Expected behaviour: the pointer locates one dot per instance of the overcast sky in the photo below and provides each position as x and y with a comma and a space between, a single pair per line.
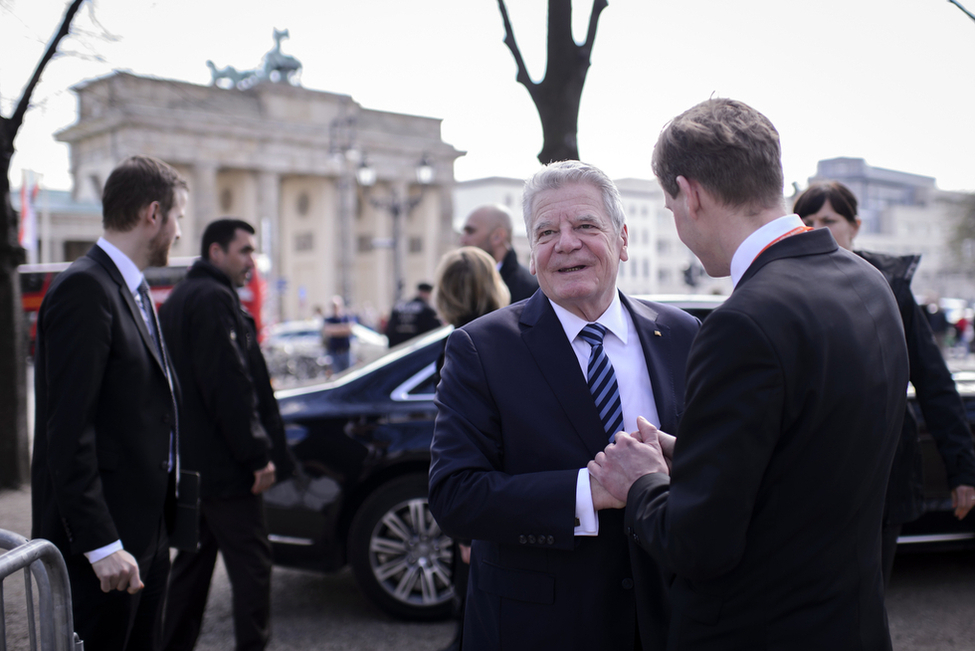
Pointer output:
891, 81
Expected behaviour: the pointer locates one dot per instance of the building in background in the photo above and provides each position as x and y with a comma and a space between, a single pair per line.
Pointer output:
903, 214
287, 159
65, 228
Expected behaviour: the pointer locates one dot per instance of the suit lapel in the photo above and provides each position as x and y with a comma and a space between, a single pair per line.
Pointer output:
655, 341
106, 262
546, 341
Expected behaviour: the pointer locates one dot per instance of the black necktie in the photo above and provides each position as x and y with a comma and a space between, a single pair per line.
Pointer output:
154, 330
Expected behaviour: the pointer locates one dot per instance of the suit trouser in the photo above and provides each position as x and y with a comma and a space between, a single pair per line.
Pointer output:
888, 547
236, 527
117, 621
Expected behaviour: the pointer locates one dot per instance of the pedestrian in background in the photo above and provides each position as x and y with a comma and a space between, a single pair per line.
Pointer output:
489, 228
233, 436
412, 318
337, 336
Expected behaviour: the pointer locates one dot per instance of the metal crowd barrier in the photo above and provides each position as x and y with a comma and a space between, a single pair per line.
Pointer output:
41, 559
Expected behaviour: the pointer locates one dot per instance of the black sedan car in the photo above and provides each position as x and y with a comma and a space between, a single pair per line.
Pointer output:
362, 442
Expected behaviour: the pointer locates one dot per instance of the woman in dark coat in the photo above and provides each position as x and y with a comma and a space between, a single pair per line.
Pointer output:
832, 205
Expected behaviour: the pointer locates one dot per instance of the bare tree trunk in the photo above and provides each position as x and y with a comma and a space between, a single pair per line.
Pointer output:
14, 469
558, 95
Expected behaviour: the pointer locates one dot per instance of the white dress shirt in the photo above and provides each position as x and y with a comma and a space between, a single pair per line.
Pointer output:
622, 345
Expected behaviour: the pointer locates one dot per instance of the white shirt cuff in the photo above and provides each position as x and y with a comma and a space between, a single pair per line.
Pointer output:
102, 552
585, 511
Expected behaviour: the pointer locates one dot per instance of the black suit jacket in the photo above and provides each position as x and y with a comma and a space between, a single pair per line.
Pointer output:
104, 413
229, 420
516, 422
521, 283
796, 389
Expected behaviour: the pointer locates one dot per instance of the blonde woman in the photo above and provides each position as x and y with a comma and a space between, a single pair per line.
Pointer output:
467, 286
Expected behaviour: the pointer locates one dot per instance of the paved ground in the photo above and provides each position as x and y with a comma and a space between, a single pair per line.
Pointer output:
309, 611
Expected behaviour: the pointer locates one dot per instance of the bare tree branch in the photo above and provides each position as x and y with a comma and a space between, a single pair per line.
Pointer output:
13, 125
597, 8
967, 12
509, 39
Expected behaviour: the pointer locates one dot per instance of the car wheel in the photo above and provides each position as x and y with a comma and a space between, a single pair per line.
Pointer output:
401, 559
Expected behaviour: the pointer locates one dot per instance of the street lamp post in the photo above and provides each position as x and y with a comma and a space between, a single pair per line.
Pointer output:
399, 208
342, 136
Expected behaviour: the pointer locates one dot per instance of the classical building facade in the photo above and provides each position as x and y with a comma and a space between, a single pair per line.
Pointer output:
285, 159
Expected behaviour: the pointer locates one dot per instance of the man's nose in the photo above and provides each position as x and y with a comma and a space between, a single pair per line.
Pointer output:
567, 241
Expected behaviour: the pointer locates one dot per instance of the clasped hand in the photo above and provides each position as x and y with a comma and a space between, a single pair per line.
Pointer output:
631, 456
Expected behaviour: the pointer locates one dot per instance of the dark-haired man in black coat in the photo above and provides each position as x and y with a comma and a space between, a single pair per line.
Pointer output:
233, 436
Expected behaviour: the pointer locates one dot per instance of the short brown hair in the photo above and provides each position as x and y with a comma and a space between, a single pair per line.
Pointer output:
134, 184
840, 197
468, 286
728, 147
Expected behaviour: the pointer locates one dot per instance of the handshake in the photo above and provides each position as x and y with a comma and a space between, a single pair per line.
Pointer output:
629, 457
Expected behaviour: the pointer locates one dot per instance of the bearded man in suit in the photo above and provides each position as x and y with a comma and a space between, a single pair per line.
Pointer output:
770, 516
105, 458
525, 401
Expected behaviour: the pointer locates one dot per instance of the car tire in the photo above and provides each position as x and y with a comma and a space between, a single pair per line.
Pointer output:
400, 558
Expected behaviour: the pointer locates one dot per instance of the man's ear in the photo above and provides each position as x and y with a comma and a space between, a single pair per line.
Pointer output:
211, 251
690, 194
498, 238
625, 235
151, 213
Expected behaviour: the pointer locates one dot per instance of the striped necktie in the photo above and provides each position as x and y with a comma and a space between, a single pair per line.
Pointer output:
602, 380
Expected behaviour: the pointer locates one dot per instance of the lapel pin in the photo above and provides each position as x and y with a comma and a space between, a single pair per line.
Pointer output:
656, 333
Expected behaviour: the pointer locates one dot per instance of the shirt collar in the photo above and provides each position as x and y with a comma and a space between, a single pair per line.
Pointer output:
755, 243
130, 273
612, 318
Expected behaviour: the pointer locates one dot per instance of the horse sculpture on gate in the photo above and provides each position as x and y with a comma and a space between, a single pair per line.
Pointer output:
277, 67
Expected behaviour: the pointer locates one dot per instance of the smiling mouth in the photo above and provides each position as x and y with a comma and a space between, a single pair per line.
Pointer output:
568, 269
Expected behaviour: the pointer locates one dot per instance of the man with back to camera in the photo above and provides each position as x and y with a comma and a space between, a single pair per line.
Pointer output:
412, 318
232, 431
489, 228
796, 388
518, 422
105, 444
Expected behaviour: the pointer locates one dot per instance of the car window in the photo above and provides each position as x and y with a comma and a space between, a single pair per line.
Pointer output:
420, 386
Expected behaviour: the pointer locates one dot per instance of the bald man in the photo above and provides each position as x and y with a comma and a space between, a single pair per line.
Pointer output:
489, 228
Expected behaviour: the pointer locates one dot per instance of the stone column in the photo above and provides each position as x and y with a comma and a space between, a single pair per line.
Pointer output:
269, 203
204, 200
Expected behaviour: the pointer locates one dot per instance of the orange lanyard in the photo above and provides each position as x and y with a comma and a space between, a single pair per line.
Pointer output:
794, 231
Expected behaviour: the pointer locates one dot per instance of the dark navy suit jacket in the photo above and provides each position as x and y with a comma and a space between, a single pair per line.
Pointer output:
516, 422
